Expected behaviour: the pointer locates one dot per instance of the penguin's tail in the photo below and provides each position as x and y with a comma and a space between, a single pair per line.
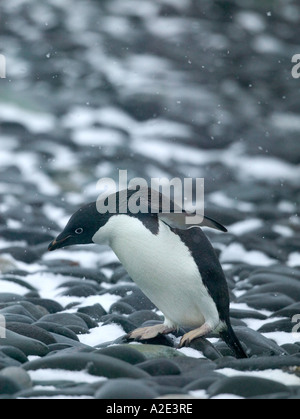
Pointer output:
230, 338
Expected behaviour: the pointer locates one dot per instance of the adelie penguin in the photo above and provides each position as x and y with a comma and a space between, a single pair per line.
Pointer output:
174, 265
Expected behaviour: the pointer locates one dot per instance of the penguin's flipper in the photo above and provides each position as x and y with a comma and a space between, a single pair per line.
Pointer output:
230, 338
186, 221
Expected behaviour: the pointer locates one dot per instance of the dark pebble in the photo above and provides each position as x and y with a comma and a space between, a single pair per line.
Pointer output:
31, 331
257, 344
80, 291
260, 363
140, 317
119, 274
125, 389
124, 352
126, 324
285, 325
291, 349
27, 345
120, 290
78, 272
17, 318
56, 328
96, 312
18, 375
121, 308
95, 364
159, 366
7, 297
289, 311
67, 341
246, 387
31, 236
22, 254
8, 386
271, 301
6, 361
65, 319
14, 353
50, 305
204, 382
139, 301
246, 314
91, 324
290, 288
19, 310
207, 348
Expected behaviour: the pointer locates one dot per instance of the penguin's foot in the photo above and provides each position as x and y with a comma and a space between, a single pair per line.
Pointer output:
150, 332
194, 334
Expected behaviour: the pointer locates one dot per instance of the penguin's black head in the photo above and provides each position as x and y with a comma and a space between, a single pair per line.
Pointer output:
81, 228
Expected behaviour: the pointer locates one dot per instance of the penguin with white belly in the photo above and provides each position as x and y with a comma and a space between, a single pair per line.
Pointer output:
174, 264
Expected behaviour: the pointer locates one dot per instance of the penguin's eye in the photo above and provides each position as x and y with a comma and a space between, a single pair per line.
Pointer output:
79, 230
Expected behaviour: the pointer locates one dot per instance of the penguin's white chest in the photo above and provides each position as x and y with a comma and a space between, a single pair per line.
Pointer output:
162, 266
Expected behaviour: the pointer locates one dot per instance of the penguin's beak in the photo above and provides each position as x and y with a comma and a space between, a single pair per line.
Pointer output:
58, 243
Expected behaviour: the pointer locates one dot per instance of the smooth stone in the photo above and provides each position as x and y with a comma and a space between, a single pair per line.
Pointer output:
140, 317
67, 341
119, 274
291, 349
50, 305
157, 351
78, 272
8, 386
124, 352
80, 291
259, 279
257, 344
246, 386
285, 325
17, 318
289, 311
59, 330
289, 288
203, 383
7, 297
272, 301
27, 345
120, 290
95, 364
18, 375
36, 311
65, 319
121, 308
259, 363
23, 254
138, 301
31, 331
6, 361
125, 389
91, 324
247, 314
14, 353
17, 309
30, 236
126, 324
207, 348
96, 312
159, 366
